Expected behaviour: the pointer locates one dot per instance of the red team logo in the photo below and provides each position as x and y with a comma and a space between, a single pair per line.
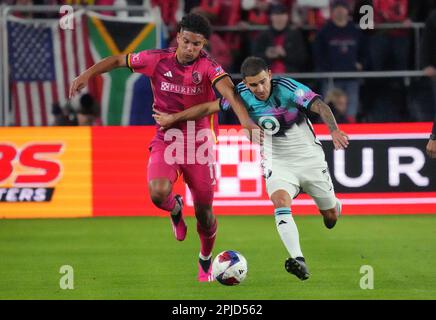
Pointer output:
136, 58
196, 77
28, 171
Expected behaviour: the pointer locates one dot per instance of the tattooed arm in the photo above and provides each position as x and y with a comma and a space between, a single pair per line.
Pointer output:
340, 139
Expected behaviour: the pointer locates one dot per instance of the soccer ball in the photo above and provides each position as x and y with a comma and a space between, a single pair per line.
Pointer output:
229, 268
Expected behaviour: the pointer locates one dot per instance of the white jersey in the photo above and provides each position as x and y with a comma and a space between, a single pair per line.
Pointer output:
293, 158
298, 147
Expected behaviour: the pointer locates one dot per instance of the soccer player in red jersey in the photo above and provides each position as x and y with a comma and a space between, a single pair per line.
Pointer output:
181, 77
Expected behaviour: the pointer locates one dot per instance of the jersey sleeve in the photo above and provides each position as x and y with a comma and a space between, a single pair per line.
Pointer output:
241, 90
143, 62
215, 72
300, 94
224, 104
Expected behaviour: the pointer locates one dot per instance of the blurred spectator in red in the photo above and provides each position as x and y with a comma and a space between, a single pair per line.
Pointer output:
281, 46
91, 3
171, 11
32, 2
23, 14
88, 2
220, 13
256, 12
220, 51
390, 48
217, 48
224, 13
338, 101
310, 13
314, 13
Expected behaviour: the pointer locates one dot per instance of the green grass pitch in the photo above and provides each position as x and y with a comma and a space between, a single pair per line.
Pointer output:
138, 258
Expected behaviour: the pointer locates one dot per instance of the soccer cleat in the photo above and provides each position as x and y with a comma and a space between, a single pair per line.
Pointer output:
205, 276
179, 227
297, 267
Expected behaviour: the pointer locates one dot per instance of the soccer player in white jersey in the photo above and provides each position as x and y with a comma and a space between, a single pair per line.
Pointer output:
293, 158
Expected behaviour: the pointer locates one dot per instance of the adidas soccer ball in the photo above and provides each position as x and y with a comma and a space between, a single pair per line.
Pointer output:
229, 268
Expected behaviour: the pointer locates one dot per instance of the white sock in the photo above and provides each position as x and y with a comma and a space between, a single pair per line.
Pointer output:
288, 231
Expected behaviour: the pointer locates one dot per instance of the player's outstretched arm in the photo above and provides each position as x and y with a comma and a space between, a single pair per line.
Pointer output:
105, 65
340, 138
227, 89
166, 120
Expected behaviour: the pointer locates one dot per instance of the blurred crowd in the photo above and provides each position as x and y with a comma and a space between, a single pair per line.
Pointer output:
319, 36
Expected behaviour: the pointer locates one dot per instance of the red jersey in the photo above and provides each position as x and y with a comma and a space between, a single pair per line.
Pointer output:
278, 65
177, 87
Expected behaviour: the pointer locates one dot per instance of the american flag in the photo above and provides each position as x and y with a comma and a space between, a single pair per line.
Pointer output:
43, 61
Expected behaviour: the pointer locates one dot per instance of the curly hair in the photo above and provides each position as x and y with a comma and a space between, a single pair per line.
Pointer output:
197, 24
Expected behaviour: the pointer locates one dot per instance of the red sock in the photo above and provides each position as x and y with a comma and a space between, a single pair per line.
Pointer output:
207, 238
169, 203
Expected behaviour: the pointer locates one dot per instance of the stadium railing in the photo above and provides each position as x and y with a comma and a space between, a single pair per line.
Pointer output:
406, 74
415, 26
6, 10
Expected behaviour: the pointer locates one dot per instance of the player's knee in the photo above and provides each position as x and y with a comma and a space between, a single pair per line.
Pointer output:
159, 190
281, 199
159, 195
